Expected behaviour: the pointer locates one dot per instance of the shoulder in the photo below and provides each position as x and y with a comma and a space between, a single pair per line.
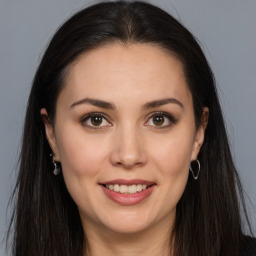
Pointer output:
248, 246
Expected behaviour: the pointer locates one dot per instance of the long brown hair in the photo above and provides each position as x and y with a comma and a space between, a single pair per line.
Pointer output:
46, 219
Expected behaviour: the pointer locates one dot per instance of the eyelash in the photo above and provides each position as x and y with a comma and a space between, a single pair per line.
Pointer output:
87, 117
171, 120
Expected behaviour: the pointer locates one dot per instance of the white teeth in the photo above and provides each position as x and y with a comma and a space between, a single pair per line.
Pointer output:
124, 189
116, 188
132, 189
139, 187
144, 187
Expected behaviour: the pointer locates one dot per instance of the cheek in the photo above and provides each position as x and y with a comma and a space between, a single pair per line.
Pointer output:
172, 154
81, 155
82, 158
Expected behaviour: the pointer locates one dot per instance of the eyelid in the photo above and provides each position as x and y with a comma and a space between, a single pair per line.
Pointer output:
86, 117
167, 115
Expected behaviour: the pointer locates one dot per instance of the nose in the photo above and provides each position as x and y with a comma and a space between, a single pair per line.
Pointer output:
128, 149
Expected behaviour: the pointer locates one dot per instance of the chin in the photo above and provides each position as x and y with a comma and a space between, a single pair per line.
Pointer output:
128, 222
128, 228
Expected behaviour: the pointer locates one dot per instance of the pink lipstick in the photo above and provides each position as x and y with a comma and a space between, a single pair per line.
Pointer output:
128, 192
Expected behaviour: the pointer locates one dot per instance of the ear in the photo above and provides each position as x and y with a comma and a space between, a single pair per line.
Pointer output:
199, 137
50, 135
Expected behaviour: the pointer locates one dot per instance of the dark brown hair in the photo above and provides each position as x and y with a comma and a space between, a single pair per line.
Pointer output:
46, 219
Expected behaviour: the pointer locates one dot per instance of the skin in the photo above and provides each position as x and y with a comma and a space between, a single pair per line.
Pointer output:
128, 144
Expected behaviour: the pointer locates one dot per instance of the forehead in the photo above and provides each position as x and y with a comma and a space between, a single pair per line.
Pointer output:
141, 71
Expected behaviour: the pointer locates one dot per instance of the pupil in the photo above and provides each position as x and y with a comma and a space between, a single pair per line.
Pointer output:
96, 120
158, 120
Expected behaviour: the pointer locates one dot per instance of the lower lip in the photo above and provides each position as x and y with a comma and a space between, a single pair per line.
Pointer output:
128, 199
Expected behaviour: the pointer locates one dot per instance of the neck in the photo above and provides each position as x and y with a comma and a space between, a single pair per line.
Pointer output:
154, 242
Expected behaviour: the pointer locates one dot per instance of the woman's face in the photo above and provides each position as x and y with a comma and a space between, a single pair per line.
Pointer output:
125, 136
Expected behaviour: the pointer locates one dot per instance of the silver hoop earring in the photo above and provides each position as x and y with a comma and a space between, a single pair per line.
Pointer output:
195, 173
56, 169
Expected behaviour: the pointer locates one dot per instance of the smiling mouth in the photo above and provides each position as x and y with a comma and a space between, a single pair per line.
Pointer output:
128, 192
127, 189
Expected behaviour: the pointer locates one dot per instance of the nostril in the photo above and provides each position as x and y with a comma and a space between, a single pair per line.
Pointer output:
128, 156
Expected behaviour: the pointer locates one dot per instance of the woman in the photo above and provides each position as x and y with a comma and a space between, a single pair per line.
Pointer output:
125, 150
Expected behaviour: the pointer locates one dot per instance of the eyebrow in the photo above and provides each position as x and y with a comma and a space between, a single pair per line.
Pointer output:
94, 102
161, 102
108, 105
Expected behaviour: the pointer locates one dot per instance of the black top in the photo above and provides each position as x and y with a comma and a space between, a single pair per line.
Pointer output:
248, 246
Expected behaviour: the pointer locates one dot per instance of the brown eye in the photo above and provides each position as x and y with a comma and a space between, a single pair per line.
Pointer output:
158, 120
96, 120
161, 120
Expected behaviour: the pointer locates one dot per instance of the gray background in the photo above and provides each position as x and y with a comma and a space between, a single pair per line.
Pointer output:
225, 28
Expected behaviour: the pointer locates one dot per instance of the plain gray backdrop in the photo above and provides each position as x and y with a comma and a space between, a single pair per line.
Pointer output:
226, 30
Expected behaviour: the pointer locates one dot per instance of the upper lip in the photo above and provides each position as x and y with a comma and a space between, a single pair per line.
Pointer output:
128, 182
